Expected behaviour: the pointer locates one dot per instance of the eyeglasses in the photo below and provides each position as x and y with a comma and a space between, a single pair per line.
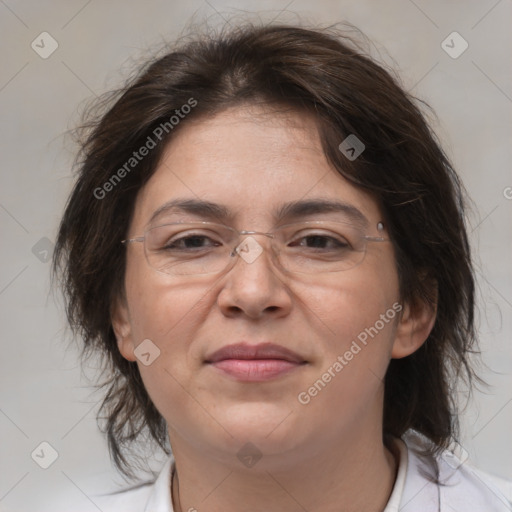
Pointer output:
311, 247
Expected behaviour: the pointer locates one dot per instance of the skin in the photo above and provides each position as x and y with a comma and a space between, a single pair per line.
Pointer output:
320, 456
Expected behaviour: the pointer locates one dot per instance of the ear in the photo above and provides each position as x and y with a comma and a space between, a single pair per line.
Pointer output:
414, 327
121, 323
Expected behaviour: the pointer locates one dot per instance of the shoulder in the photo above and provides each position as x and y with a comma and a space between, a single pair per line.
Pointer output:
449, 482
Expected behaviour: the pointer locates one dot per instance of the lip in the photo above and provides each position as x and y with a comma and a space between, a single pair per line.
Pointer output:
255, 363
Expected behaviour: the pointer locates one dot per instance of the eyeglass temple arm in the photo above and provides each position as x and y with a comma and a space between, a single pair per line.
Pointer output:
136, 239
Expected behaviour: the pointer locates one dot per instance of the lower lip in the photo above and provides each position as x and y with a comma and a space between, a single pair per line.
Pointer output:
255, 370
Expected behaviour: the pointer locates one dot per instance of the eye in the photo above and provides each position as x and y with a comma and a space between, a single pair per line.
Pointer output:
191, 242
323, 242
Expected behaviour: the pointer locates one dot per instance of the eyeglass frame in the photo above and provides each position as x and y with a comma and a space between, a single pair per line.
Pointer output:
270, 234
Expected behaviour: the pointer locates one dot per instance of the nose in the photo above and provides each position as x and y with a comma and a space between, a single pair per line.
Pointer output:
253, 286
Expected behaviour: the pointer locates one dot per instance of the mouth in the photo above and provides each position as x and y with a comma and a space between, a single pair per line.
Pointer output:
255, 363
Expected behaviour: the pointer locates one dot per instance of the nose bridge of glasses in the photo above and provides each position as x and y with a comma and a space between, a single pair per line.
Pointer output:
246, 233
247, 247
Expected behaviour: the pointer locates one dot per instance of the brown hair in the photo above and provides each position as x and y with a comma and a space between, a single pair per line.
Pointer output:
320, 71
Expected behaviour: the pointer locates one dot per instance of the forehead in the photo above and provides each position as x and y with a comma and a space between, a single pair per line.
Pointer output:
252, 160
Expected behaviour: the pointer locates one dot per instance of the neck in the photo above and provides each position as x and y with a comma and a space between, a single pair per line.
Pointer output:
359, 476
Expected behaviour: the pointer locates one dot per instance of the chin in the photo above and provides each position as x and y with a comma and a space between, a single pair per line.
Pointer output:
272, 427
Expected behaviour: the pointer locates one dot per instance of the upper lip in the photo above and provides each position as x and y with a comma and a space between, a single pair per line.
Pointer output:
260, 351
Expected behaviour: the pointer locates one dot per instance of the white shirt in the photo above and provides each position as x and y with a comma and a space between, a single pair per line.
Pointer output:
465, 488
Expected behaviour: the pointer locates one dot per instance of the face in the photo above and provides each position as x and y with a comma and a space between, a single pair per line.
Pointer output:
252, 162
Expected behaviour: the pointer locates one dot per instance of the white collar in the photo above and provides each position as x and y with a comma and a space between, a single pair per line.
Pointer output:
160, 499
464, 488
398, 489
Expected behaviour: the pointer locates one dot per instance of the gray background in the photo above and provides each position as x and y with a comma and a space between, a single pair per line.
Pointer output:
44, 395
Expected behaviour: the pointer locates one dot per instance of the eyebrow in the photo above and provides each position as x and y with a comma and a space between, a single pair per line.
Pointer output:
197, 207
288, 211
307, 207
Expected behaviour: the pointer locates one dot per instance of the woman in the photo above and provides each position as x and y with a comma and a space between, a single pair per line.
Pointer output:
267, 244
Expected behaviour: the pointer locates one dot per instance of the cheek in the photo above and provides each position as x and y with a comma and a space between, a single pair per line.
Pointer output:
345, 304
356, 315
165, 311
375, 285
169, 315
361, 315
155, 304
